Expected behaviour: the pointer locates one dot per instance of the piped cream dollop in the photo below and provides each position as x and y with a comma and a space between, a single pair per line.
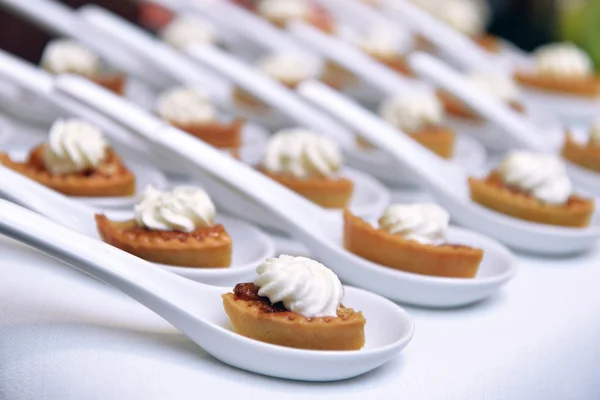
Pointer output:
184, 31
67, 56
500, 86
284, 10
466, 16
183, 209
562, 60
595, 133
543, 176
426, 223
290, 68
412, 112
304, 286
74, 146
383, 41
301, 154
185, 106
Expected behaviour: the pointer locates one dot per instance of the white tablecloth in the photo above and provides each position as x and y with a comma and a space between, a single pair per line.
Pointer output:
64, 336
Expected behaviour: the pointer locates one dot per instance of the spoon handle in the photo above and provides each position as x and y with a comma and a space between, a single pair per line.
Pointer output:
24, 74
351, 58
454, 43
272, 93
293, 210
176, 66
521, 133
53, 16
161, 291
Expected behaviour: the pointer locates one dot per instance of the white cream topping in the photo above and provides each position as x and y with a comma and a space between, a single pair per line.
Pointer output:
466, 16
562, 59
301, 153
184, 31
184, 105
74, 146
184, 209
67, 56
383, 41
426, 223
414, 111
595, 133
542, 176
284, 10
500, 86
304, 286
288, 67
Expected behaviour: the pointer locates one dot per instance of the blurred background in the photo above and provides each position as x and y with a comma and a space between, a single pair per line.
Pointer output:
526, 23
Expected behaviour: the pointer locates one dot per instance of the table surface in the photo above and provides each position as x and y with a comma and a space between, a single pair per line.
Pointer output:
66, 336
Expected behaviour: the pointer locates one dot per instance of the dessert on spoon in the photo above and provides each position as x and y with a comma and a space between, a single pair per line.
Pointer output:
587, 154
76, 161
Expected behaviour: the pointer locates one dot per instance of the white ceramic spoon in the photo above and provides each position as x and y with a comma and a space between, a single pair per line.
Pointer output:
197, 309
449, 185
6, 129
515, 125
57, 18
320, 231
250, 245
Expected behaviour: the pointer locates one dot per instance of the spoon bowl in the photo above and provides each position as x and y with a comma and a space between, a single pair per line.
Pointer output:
197, 310
250, 245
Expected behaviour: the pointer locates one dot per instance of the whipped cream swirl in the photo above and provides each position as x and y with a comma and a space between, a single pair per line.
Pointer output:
183, 209
562, 59
383, 41
302, 154
595, 133
500, 86
284, 10
67, 56
185, 106
304, 286
74, 146
414, 111
466, 16
288, 67
426, 223
542, 176
184, 31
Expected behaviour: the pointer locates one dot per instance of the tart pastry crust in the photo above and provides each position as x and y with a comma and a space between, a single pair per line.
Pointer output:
587, 155
393, 251
254, 317
114, 82
328, 193
489, 42
111, 179
441, 140
588, 86
397, 63
492, 193
457, 108
217, 134
204, 248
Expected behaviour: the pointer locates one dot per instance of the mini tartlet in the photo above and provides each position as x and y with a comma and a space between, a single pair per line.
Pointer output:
191, 111
411, 238
585, 155
535, 188
282, 12
309, 165
76, 161
70, 57
561, 68
421, 115
184, 31
295, 302
388, 45
290, 68
173, 228
499, 86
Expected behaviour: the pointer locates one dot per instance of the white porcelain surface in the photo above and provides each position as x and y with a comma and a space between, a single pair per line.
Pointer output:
6, 129
570, 109
197, 310
468, 154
